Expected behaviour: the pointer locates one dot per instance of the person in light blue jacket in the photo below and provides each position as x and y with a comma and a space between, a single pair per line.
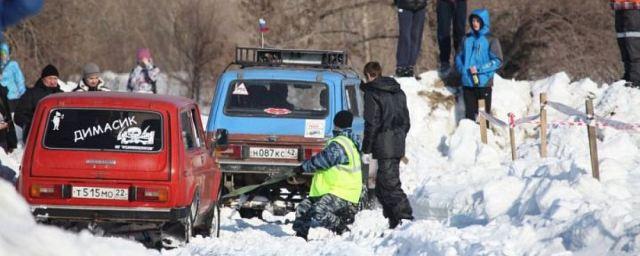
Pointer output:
478, 60
12, 77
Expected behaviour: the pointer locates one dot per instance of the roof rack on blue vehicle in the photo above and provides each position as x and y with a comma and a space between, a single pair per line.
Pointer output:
252, 56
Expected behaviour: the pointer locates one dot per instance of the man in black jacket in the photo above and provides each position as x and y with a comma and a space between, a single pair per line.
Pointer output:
8, 138
386, 126
47, 84
411, 16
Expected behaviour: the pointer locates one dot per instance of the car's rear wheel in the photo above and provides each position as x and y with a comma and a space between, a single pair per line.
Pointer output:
187, 222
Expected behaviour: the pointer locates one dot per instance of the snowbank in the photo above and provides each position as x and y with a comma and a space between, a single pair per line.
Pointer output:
468, 198
20, 235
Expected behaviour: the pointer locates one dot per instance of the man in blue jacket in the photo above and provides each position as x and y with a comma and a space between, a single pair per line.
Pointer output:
11, 76
477, 62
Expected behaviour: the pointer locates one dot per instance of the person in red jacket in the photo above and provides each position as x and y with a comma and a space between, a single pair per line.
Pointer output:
627, 23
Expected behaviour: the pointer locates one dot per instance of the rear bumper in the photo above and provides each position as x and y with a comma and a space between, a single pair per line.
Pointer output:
81, 213
227, 166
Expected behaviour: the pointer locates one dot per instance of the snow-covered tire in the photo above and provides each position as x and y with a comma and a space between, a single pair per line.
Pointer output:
212, 225
187, 225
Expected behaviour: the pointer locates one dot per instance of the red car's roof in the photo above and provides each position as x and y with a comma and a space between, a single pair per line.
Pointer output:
102, 99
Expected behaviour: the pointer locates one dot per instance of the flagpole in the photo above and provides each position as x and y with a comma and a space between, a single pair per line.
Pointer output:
262, 39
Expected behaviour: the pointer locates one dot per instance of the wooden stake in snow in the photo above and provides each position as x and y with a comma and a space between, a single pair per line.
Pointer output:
543, 125
512, 136
482, 121
591, 132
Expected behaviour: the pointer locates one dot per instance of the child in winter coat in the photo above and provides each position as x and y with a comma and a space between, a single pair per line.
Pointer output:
144, 76
477, 62
91, 80
336, 185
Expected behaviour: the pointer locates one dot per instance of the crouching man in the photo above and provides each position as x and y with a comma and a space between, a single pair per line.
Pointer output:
336, 184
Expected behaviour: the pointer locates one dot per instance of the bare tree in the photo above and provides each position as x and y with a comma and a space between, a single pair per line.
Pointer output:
538, 37
198, 39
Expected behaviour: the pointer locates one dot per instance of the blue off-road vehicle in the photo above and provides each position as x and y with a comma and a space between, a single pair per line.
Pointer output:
272, 109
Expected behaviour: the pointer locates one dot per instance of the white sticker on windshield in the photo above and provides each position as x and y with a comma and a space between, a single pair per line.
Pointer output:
57, 117
314, 128
240, 89
135, 135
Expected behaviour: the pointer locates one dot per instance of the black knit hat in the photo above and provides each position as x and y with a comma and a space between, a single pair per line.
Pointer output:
49, 70
343, 119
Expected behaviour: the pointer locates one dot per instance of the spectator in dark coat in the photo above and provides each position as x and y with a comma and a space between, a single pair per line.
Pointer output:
411, 16
8, 139
627, 23
450, 12
47, 84
477, 62
386, 126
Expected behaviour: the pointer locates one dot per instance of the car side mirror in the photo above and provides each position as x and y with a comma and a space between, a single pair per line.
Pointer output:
221, 138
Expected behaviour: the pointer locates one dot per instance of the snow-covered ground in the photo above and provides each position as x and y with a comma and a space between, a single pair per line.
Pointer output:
468, 198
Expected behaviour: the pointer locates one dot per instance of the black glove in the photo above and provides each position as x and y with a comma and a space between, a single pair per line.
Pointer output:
298, 170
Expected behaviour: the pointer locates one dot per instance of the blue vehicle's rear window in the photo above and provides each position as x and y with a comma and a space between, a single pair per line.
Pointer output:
277, 98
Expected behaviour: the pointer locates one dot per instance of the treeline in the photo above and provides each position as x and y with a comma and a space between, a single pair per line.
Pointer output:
197, 36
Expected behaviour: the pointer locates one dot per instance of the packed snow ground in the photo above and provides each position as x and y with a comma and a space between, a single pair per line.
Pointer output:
468, 198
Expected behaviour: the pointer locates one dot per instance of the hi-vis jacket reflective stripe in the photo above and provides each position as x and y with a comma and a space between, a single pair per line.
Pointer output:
625, 4
345, 180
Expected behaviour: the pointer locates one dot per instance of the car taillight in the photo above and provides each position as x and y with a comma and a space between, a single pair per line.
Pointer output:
49, 191
151, 194
231, 151
309, 152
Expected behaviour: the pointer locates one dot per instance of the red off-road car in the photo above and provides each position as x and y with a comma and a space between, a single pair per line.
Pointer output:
123, 162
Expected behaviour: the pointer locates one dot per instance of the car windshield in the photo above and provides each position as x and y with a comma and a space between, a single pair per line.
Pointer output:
103, 129
277, 98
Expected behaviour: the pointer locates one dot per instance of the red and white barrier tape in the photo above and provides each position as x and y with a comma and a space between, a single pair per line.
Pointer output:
492, 119
598, 122
512, 121
625, 127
